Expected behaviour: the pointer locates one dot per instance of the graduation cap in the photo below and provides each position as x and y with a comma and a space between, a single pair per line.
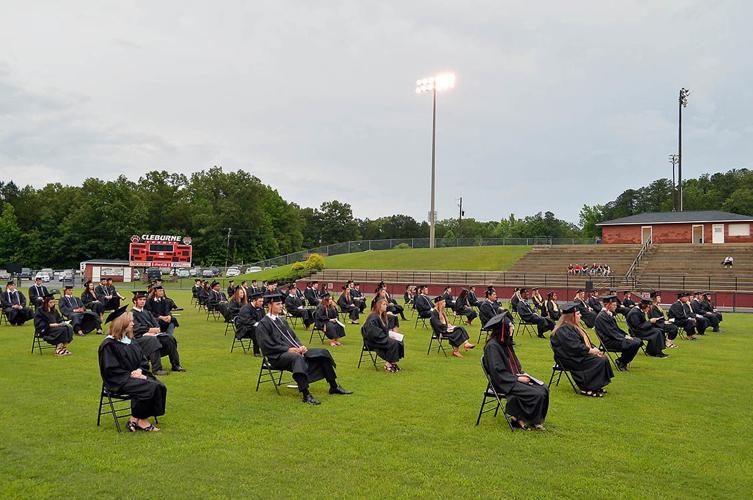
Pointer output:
522, 290
272, 297
497, 321
683, 294
116, 314
646, 302
11, 282
489, 291
255, 295
158, 287
579, 290
326, 296
627, 292
534, 289
214, 283
607, 299
438, 298
569, 308
654, 293
68, 287
138, 294
48, 296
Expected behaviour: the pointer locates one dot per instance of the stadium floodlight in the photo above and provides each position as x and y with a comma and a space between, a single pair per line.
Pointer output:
683, 103
434, 84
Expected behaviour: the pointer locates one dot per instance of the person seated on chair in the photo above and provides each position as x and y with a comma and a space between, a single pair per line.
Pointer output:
449, 300
125, 370
83, 321
284, 351
586, 313
345, 302
422, 302
37, 291
645, 328
357, 296
170, 302
231, 288
50, 327
149, 336
160, 309
376, 336
216, 300
699, 309
514, 299
393, 322
613, 337
392, 306
248, 317
311, 293
255, 288
527, 400
235, 304
681, 314
538, 301
463, 309
204, 293
574, 352
195, 289
91, 302
296, 307
709, 309
528, 316
473, 300
14, 305
593, 301
552, 309
455, 335
489, 307
106, 296
408, 295
326, 320
627, 302
656, 312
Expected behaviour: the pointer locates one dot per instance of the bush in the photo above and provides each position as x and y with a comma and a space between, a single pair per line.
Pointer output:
315, 262
298, 266
402, 245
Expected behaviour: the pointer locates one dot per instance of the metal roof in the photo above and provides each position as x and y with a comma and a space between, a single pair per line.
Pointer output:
678, 218
107, 261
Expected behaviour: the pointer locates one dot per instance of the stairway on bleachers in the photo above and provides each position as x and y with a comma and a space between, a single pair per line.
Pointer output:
555, 259
694, 260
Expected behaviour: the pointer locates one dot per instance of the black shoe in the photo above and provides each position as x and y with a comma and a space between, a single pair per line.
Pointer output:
161, 372
177, 309
541, 336
661, 355
339, 390
100, 332
178, 369
309, 400
257, 355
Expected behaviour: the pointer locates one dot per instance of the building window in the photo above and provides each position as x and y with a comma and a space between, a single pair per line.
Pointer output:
739, 229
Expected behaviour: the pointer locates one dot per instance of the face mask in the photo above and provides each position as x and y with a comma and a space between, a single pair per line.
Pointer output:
125, 340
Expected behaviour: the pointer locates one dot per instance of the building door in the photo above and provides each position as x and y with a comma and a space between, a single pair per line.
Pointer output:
717, 233
646, 233
96, 273
698, 234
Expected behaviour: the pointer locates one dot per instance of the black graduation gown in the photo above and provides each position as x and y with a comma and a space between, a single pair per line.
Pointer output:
487, 310
216, 301
595, 304
462, 308
233, 308
91, 302
473, 299
51, 334
669, 329
311, 297
588, 316
15, 316
116, 362
642, 328
245, 322
276, 337
709, 308
161, 307
570, 350
292, 305
684, 318
553, 310
699, 307
528, 316
322, 317
36, 294
102, 292
614, 339
86, 321
423, 306
154, 346
457, 337
349, 307
527, 402
376, 336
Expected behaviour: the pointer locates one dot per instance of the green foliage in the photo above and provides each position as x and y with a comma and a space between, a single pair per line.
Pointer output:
9, 235
401, 246
298, 266
315, 262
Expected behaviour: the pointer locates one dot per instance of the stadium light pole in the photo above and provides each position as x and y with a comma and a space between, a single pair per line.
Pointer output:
434, 84
673, 159
683, 103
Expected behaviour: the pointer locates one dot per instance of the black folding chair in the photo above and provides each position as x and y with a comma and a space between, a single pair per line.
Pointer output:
269, 374
318, 331
491, 396
118, 405
440, 340
559, 370
608, 352
38, 343
230, 324
422, 319
365, 349
643, 347
485, 332
526, 327
245, 343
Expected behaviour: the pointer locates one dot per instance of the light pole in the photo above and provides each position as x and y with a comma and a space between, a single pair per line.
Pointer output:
434, 84
683, 103
673, 159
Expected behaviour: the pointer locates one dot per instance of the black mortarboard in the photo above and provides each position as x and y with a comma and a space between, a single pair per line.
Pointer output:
116, 313
522, 290
68, 287
627, 292
438, 298
158, 287
646, 302
569, 308
272, 297
214, 283
11, 282
255, 295
326, 296
609, 298
683, 294
579, 290
654, 293
138, 294
534, 289
496, 321
49, 295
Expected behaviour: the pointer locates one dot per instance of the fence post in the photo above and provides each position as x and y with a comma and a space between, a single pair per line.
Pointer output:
349, 247
413, 242
390, 244
734, 298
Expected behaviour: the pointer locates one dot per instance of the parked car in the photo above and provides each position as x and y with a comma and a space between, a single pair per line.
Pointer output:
183, 273
253, 269
232, 272
4, 275
195, 271
66, 275
25, 273
153, 273
207, 273
45, 277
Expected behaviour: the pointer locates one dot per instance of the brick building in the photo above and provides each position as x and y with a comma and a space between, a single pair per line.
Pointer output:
708, 226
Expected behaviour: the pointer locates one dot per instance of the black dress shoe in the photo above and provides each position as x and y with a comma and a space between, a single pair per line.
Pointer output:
661, 355
339, 390
161, 372
309, 400
178, 369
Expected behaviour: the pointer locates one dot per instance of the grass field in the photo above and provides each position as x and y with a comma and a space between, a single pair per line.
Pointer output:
676, 428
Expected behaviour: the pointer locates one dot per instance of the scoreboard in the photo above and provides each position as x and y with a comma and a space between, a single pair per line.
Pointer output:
159, 250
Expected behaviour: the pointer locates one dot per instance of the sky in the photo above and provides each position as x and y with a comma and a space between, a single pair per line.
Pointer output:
556, 104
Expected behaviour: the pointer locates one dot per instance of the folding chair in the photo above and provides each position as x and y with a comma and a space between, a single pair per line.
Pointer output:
230, 324
269, 374
559, 370
643, 347
318, 331
529, 328
113, 401
491, 396
38, 343
422, 319
603, 348
245, 343
440, 339
4, 319
483, 331
365, 349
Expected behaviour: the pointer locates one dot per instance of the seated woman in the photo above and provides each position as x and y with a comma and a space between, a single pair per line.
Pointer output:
50, 327
125, 370
346, 304
325, 318
463, 309
376, 336
393, 322
456, 335
89, 298
551, 309
408, 295
538, 301
237, 301
574, 352
527, 400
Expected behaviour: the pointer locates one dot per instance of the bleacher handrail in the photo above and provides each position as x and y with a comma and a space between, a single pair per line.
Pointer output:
631, 270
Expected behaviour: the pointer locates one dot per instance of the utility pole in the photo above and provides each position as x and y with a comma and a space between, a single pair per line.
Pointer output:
227, 248
683, 103
674, 159
460, 218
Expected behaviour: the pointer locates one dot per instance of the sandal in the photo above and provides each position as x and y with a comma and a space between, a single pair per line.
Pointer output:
591, 394
539, 427
151, 428
131, 426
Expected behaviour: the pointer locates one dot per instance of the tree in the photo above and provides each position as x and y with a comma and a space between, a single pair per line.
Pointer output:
9, 234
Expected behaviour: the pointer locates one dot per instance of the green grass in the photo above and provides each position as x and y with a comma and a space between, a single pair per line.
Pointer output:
669, 428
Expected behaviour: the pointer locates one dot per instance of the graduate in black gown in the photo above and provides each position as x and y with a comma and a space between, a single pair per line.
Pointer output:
235, 304
528, 316
153, 342
574, 352
247, 319
489, 306
83, 321
613, 337
699, 308
645, 328
594, 302
709, 309
91, 302
216, 300
50, 327
161, 309
14, 305
463, 308
657, 312
37, 291
345, 303
538, 301
295, 305
376, 335
285, 351
682, 315
311, 294
326, 319
586, 313
473, 299
455, 335
551, 306
527, 400
422, 303
125, 370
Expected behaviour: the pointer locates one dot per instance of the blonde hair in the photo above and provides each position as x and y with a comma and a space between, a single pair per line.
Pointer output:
569, 318
121, 326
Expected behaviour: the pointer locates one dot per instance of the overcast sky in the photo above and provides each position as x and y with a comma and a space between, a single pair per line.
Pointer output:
557, 104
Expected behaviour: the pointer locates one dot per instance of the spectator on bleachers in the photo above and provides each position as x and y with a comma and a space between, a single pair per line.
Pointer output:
728, 262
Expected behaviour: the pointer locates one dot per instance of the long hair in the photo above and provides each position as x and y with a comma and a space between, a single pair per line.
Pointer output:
375, 309
240, 295
442, 315
121, 326
569, 319
46, 303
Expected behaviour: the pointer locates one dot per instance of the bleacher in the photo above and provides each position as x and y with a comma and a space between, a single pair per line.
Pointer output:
555, 259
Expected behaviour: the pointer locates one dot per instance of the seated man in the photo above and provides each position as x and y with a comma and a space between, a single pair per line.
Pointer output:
196, 288
107, 295
422, 303
449, 300
708, 306
646, 329
586, 313
230, 288
682, 315
515, 299
530, 317
161, 309
248, 318
284, 351
613, 337
170, 302
357, 296
83, 321
154, 343
593, 301
699, 308
14, 305
489, 307
473, 300
37, 291
216, 300
311, 293
668, 327
627, 302
295, 306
